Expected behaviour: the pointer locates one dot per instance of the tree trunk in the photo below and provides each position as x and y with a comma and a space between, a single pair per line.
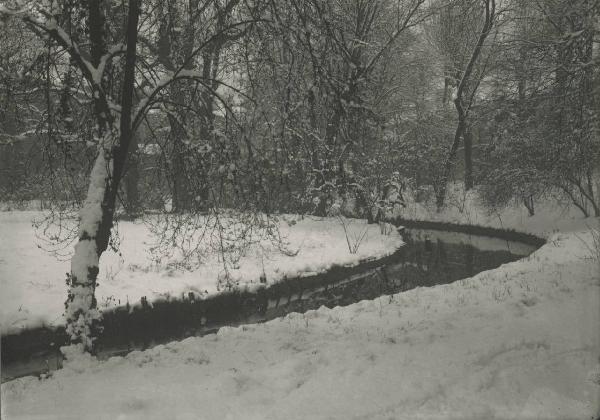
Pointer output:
96, 215
446, 90
468, 144
182, 200
529, 204
327, 172
441, 195
132, 203
94, 232
463, 107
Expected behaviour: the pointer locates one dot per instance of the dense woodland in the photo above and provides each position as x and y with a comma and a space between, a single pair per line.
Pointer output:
297, 106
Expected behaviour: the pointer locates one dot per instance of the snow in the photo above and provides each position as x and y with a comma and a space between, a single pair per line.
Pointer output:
480, 242
464, 208
520, 341
85, 257
33, 282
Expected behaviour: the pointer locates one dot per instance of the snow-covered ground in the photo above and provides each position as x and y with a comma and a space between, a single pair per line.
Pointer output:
464, 208
521, 341
33, 288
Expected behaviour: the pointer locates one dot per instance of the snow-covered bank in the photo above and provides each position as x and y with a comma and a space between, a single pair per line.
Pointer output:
520, 341
33, 282
464, 208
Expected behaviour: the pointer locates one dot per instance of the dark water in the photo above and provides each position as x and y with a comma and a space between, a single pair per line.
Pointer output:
429, 257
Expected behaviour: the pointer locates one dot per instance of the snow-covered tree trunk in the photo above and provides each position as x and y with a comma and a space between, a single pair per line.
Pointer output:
95, 220
96, 215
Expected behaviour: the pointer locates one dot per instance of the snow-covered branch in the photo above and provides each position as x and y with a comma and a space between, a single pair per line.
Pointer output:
115, 50
45, 24
183, 72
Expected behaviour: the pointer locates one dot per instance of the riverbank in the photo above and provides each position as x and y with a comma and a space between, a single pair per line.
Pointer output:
520, 341
33, 281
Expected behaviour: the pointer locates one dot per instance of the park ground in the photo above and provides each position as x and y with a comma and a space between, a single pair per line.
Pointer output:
518, 342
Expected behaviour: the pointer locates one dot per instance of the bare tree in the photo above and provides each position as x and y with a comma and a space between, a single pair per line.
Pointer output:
543, 107
463, 101
117, 117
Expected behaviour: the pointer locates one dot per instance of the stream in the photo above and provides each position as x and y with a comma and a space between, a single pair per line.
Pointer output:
429, 257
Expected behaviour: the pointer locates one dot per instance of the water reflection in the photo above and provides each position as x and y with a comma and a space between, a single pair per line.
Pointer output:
429, 258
